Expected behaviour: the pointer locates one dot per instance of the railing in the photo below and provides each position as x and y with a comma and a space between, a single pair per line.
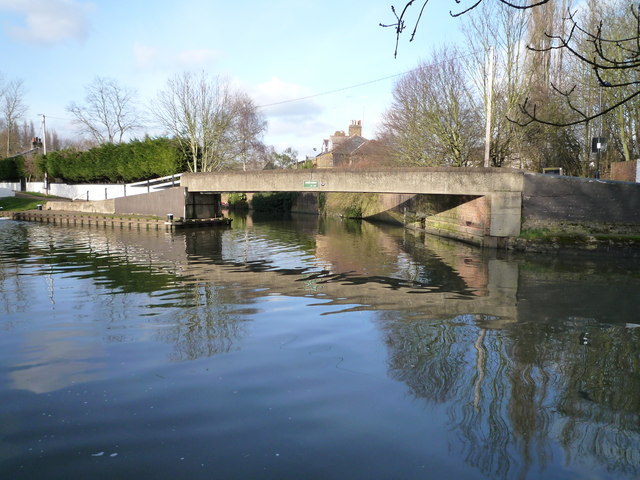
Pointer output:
98, 191
159, 183
94, 192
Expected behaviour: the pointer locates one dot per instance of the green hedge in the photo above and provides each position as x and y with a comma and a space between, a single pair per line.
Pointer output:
125, 162
12, 168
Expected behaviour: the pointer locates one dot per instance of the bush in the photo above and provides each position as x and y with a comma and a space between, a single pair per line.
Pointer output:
274, 202
238, 201
12, 168
354, 211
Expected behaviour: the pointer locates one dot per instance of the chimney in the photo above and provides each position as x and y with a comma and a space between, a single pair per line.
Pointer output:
355, 128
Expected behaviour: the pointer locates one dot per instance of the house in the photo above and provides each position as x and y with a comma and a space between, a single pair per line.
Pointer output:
352, 150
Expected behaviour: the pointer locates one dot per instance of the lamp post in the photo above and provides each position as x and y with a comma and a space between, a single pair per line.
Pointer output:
599, 143
44, 151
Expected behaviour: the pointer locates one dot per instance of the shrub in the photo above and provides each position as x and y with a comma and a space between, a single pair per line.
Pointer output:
12, 168
274, 202
238, 201
354, 211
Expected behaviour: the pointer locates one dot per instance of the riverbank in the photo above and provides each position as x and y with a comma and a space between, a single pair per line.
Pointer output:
548, 242
89, 219
24, 201
139, 222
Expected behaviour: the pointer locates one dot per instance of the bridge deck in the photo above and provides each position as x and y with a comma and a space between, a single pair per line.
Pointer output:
503, 186
447, 181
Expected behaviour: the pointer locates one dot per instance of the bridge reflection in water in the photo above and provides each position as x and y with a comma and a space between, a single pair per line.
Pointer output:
497, 341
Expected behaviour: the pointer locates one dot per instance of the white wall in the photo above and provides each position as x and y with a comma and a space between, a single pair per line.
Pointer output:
90, 191
81, 191
6, 192
10, 185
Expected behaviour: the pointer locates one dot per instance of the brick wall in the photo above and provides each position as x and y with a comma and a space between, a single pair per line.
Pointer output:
593, 204
625, 171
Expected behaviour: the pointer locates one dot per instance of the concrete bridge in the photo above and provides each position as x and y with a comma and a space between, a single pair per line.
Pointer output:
496, 203
500, 189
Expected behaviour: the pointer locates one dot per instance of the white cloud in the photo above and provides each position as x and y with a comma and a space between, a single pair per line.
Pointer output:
47, 22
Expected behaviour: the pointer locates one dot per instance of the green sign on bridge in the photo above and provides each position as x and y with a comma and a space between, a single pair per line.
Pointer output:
311, 184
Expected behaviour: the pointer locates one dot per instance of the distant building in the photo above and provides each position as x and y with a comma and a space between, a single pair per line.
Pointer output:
352, 150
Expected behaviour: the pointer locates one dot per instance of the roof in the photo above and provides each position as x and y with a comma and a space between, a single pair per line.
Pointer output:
349, 145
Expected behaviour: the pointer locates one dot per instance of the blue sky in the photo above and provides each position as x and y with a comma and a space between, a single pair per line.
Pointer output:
275, 51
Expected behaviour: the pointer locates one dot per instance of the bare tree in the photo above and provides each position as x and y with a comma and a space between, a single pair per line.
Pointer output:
434, 119
609, 53
214, 126
109, 112
250, 126
495, 25
13, 109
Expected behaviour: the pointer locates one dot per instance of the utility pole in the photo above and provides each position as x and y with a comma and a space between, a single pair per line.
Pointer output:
487, 140
44, 135
44, 149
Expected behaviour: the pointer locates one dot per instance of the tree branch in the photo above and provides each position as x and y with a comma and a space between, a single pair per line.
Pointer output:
400, 24
533, 117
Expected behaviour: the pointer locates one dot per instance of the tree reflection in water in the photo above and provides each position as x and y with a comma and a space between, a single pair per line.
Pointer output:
208, 325
513, 392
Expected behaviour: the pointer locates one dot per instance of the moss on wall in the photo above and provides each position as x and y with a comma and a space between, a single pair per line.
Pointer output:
352, 205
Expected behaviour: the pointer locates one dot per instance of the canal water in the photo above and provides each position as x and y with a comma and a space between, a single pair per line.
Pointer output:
306, 348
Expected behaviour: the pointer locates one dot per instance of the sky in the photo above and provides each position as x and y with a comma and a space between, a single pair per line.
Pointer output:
275, 51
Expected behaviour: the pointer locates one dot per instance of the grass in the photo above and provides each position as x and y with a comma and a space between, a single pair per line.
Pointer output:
612, 237
19, 204
15, 204
37, 194
564, 238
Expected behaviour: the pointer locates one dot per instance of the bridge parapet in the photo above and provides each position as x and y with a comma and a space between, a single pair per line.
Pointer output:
446, 181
